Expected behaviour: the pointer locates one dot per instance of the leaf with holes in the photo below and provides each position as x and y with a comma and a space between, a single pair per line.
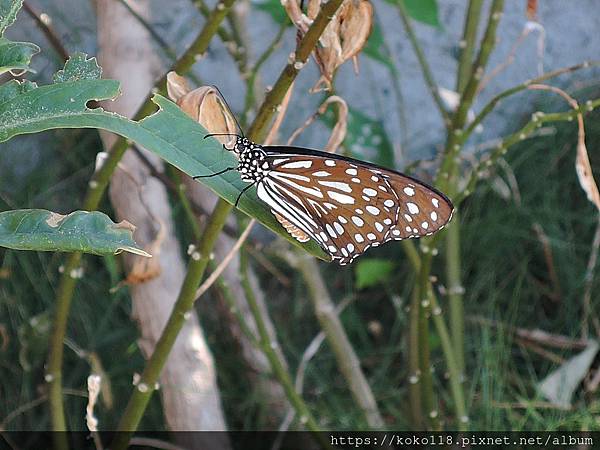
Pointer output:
371, 272
80, 231
170, 133
16, 55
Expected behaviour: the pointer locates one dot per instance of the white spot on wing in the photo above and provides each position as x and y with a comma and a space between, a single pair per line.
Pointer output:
358, 221
358, 238
345, 187
425, 225
409, 191
408, 218
338, 228
370, 192
434, 216
371, 236
373, 210
435, 202
389, 203
330, 162
379, 227
298, 165
321, 173
412, 208
351, 171
342, 198
330, 230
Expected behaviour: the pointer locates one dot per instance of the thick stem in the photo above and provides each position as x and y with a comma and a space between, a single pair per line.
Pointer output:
414, 368
268, 347
141, 395
275, 96
146, 385
97, 187
467, 44
455, 290
346, 358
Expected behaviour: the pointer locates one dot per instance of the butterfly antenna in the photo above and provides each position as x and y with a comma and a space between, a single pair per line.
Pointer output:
229, 109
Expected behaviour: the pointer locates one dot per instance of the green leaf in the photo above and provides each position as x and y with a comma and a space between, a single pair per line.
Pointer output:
8, 13
274, 9
375, 49
372, 271
16, 55
425, 11
80, 231
78, 67
170, 133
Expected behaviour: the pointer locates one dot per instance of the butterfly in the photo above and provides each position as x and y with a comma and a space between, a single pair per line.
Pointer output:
344, 204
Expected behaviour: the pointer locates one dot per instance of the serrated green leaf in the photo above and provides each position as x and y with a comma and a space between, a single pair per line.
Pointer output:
8, 13
170, 133
372, 271
80, 231
16, 55
274, 9
425, 11
78, 67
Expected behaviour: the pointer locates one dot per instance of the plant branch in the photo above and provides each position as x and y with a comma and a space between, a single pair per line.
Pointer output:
427, 74
50, 34
97, 187
467, 44
199, 261
275, 96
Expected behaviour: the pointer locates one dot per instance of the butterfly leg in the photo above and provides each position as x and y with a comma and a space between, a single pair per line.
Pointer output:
241, 193
214, 174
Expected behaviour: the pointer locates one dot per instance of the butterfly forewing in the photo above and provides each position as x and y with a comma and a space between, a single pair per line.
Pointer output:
348, 206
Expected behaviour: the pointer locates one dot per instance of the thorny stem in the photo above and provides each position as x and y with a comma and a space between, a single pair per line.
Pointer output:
185, 301
97, 186
427, 74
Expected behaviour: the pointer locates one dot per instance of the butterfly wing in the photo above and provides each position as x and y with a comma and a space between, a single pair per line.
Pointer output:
346, 205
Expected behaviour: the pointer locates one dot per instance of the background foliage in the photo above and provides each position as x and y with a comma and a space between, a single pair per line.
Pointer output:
526, 238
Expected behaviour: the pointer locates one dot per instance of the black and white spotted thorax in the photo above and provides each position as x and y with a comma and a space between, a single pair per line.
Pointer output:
253, 165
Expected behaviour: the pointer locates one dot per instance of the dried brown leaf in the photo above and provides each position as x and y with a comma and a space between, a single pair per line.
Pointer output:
582, 162
204, 105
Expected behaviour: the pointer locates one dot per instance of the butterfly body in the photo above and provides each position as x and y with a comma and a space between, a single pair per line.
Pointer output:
344, 204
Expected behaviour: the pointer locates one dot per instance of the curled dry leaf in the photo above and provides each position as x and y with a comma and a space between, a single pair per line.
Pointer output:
204, 105
582, 161
338, 134
343, 38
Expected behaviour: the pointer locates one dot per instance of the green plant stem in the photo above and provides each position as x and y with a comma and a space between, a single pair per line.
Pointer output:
97, 187
345, 356
275, 96
455, 290
467, 44
143, 391
424, 356
185, 302
447, 176
456, 387
266, 345
425, 69
537, 121
414, 370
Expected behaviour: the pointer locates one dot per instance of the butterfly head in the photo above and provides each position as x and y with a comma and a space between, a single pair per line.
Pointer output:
243, 144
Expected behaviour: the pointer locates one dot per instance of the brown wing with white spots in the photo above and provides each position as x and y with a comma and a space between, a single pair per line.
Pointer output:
423, 210
345, 207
